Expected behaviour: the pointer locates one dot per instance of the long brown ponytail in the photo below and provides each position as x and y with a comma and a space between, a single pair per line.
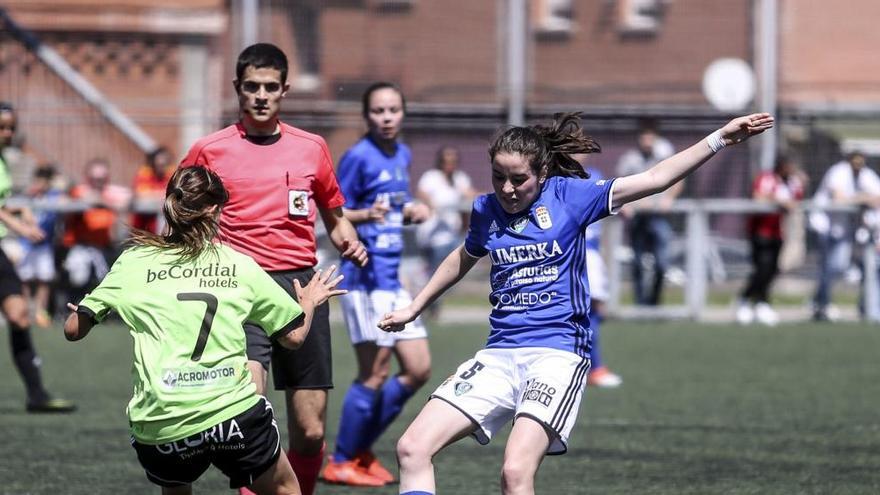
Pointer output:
549, 146
190, 214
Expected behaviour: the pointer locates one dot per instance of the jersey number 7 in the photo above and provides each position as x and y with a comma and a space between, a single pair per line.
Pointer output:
207, 320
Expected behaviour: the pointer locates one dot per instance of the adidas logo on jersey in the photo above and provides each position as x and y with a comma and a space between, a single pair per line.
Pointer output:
384, 176
493, 227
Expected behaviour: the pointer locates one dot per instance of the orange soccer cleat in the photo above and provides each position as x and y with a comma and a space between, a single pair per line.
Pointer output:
602, 377
348, 473
370, 465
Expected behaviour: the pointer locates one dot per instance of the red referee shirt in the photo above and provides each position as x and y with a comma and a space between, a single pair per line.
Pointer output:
275, 191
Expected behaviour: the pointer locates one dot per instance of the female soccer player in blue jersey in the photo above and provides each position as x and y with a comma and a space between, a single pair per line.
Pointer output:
184, 299
374, 177
534, 367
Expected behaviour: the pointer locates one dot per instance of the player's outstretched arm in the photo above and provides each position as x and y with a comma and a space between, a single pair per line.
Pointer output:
671, 170
77, 325
320, 288
450, 271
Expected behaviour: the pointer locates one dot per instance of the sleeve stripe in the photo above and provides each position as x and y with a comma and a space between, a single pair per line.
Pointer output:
290, 327
611, 210
87, 312
472, 255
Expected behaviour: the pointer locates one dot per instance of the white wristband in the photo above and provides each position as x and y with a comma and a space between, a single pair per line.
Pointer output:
715, 142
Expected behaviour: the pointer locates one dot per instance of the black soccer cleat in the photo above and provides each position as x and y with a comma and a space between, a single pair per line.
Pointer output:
51, 406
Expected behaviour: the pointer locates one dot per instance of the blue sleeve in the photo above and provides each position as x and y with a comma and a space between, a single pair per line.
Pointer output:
475, 241
408, 157
349, 177
587, 200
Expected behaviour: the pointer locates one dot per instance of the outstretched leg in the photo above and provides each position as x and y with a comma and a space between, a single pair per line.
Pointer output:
277, 480
437, 425
523, 454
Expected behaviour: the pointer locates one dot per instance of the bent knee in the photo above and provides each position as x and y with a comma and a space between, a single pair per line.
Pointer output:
412, 452
306, 437
373, 378
313, 435
418, 378
516, 474
18, 316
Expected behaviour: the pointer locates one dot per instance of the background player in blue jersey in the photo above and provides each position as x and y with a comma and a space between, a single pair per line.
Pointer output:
374, 178
534, 366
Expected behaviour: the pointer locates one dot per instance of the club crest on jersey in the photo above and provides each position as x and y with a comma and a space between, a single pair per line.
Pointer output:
462, 388
542, 214
519, 224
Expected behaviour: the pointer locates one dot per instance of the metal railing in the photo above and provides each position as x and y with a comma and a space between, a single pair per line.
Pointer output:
697, 213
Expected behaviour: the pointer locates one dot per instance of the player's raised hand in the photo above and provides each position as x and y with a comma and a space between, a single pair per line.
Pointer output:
417, 212
355, 251
320, 288
380, 207
396, 320
742, 128
33, 233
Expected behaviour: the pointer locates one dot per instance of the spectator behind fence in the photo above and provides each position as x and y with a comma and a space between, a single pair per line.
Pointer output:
848, 182
149, 184
13, 305
37, 265
449, 193
649, 229
92, 235
784, 187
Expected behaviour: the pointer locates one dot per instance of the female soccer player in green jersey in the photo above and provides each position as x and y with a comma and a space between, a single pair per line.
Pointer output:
184, 298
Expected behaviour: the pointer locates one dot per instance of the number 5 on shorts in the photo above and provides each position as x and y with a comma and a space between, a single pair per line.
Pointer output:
472, 371
207, 320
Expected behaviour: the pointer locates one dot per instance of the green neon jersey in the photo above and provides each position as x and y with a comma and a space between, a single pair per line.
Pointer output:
5, 189
189, 367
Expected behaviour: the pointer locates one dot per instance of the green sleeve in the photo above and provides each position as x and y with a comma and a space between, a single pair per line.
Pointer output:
107, 295
273, 308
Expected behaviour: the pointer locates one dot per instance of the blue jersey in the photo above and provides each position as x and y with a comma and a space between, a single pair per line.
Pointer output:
594, 230
46, 220
366, 174
540, 295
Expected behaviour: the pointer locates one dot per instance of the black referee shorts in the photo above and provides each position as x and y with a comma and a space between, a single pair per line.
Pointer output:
310, 366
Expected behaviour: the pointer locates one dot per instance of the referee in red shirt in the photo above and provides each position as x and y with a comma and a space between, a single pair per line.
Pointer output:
279, 179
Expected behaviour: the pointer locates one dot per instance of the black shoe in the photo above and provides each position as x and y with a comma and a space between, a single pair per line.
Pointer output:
51, 406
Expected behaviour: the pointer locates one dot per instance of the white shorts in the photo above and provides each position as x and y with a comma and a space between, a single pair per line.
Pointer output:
499, 385
362, 311
38, 264
597, 276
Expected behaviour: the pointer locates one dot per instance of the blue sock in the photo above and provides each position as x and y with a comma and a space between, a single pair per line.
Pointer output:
389, 405
596, 352
355, 421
